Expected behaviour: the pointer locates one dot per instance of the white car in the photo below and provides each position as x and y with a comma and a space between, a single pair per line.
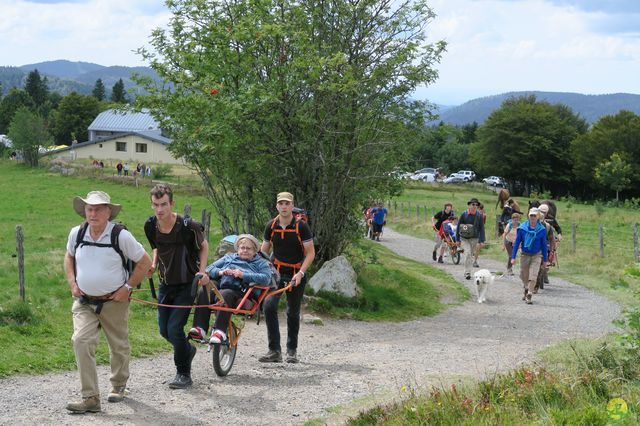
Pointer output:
422, 173
494, 181
454, 178
468, 175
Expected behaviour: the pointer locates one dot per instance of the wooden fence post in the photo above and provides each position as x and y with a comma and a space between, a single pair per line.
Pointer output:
426, 219
601, 237
418, 212
401, 208
20, 251
497, 225
573, 237
187, 210
635, 242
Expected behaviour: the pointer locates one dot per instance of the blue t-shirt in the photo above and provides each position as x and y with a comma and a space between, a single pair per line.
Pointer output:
378, 215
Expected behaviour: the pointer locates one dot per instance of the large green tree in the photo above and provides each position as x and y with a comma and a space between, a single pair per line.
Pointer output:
529, 141
37, 88
307, 96
28, 133
614, 174
73, 116
15, 99
611, 134
118, 93
98, 91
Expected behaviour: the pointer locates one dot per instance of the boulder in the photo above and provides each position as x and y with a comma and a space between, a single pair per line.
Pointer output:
336, 276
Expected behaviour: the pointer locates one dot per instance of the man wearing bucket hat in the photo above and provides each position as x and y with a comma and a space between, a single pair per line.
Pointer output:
532, 236
101, 287
470, 233
293, 253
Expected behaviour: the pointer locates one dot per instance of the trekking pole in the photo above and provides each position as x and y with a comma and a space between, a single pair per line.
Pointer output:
152, 288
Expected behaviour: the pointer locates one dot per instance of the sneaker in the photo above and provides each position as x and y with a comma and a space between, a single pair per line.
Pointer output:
529, 301
467, 276
90, 404
524, 297
181, 381
116, 394
197, 333
475, 264
217, 337
435, 256
292, 357
440, 260
510, 272
271, 356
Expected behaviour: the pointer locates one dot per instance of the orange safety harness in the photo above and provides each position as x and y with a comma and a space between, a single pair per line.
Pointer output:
295, 266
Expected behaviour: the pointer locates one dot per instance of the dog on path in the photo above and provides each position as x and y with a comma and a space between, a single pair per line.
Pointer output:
483, 279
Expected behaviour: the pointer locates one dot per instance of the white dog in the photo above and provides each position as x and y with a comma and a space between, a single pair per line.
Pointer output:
483, 279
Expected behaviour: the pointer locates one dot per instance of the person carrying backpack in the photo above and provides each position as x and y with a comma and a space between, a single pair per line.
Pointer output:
180, 252
293, 253
94, 265
470, 233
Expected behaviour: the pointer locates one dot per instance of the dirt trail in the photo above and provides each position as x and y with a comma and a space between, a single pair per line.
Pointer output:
341, 362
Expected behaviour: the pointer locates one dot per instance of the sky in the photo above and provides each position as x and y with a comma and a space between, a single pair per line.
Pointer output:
494, 46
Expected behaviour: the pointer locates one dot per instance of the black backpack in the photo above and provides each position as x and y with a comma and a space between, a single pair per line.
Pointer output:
188, 235
127, 264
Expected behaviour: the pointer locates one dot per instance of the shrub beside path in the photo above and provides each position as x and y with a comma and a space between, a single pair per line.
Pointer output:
343, 363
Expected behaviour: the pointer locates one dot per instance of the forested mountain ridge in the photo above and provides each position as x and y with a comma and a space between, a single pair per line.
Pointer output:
65, 77
589, 107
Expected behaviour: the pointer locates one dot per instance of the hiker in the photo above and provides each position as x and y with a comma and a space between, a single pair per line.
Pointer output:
436, 222
379, 219
126, 169
532, 237
476, 254
293, 253
101, 286
234, 272
543, 273
470, 233
509, 237
119, 168
180, 252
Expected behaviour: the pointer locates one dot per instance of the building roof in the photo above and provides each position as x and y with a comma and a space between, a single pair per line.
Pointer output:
113, 120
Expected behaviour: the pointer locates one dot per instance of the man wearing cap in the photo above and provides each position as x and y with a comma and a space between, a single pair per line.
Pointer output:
532, 237
543, 274
180, 252
293, 253
470, 232
101, 286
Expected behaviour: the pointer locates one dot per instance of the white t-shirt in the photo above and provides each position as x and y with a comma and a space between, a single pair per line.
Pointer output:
99, 270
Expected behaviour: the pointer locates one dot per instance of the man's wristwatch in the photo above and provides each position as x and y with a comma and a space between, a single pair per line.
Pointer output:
302, 272
128, 287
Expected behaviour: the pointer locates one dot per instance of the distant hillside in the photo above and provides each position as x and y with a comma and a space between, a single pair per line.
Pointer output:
65, 77
590, 107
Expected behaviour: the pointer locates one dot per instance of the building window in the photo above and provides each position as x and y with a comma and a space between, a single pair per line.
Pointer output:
121, 146
141, 147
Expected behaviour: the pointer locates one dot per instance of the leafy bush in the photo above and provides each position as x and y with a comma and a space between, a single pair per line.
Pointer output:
599, 208
161, 171
17, 314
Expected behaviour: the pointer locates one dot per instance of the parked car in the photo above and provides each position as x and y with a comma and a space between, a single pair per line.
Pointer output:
421, 174
429, 177
468, 175
494, 181
454, 178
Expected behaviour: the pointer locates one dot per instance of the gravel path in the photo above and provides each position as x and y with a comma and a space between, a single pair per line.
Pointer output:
342, 363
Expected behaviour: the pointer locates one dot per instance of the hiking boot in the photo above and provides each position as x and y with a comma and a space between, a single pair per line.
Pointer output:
292, 357
524, 297
90, 404
529, 301
197, 333
475, 264
271, 356
217, 337
467, 276
440, 260
435, 256
181, 381
510, 272
116, 394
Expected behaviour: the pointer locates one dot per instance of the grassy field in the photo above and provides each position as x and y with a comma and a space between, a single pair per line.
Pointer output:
36, 335
609, 275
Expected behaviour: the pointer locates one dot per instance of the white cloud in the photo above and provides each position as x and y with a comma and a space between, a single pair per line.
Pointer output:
101, 31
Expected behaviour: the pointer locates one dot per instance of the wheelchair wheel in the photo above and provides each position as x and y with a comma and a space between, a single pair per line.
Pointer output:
455, 256
224, 354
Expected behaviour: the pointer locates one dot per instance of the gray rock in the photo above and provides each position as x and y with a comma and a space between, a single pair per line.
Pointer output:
336, 276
